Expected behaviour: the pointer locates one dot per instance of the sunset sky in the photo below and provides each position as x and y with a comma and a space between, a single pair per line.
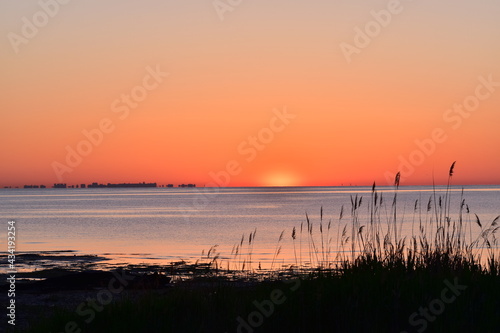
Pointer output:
249, 93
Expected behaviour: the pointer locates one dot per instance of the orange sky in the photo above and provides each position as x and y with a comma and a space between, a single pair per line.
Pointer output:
353, 118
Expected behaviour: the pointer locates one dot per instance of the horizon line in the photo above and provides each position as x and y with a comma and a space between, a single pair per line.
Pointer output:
192, 185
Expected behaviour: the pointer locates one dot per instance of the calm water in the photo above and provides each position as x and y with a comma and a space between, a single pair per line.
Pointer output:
159, 225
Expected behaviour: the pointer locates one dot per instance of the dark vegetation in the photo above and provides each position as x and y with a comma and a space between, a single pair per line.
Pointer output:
374, 279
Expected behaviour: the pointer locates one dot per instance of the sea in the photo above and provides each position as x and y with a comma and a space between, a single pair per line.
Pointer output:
165, 225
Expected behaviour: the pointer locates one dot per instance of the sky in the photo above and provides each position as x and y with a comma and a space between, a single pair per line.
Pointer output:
249, 93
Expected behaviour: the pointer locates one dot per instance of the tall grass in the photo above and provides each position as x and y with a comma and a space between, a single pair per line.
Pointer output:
376, 238
439, 243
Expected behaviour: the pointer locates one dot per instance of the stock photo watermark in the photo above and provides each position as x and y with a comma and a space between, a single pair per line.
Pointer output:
454, 117
371, 29
420, 320
11, 272
30, 26
248, 149
251, 147
95, 136
225, 6
266, 308
87, 310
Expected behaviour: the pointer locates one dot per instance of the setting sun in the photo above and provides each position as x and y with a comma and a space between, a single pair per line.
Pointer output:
281, 178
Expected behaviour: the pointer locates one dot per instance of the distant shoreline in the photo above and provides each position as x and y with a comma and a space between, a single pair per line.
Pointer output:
156, 185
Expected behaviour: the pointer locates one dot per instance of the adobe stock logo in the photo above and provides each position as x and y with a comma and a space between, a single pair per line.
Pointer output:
454, 116
95, 136
372, 29
249, 150
30, 28
223, 6
88, 308
266, 308
420, 320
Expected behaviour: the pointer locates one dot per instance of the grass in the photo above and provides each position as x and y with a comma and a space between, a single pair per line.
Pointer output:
365, 276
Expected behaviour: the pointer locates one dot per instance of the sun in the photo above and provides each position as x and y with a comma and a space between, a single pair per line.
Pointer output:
280, 178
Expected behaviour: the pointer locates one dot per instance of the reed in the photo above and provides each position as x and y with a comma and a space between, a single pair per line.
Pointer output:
436, 240
278, 249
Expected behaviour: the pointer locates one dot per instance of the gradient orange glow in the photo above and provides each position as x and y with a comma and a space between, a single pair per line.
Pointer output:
355, 122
